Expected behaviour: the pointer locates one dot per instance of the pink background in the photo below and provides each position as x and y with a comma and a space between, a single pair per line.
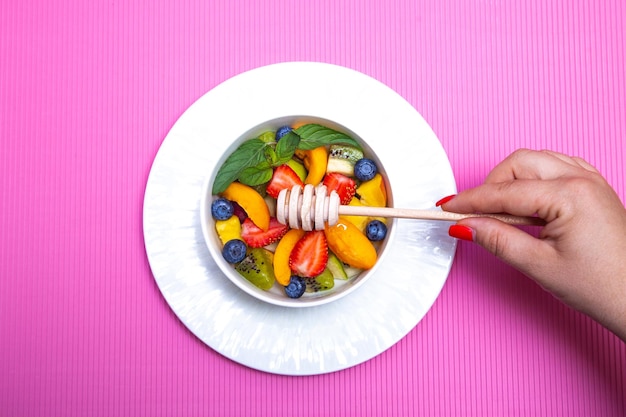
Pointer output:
88, 91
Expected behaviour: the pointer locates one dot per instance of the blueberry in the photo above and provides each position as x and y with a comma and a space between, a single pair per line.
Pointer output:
376, 230
365, 169
222, 209
282, 131
234, 251
296, 287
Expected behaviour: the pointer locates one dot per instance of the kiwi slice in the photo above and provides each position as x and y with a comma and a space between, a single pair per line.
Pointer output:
257, 268
341, 159
335, 266
322, 282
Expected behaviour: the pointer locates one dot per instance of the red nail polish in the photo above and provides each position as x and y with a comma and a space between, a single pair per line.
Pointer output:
445, 200
461, 232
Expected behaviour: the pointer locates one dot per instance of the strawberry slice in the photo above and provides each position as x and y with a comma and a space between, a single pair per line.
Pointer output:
343, 185
283, 177
310, 255
255, 237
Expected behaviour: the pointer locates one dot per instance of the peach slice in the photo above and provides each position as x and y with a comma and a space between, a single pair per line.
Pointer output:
251, 201
315, 161
282, 271
350, 245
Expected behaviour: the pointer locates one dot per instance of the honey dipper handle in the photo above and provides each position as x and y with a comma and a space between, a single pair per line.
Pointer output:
434, 215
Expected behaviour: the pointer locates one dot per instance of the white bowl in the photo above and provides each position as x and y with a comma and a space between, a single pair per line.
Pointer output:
276, 295
269, 337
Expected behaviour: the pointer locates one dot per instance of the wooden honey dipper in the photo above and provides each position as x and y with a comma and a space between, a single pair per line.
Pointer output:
310, 208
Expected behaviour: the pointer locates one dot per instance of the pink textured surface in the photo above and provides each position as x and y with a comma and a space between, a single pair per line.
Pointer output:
88, 90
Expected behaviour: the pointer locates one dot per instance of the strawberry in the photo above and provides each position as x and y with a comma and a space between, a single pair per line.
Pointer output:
283, 177
255, 237
310, 255
343, 185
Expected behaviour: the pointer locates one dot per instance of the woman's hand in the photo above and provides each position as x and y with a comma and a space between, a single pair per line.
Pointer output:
580, 255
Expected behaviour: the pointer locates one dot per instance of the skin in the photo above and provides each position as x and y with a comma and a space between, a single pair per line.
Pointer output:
580, 254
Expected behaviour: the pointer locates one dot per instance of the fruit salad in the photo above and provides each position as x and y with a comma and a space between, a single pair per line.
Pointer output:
268, 253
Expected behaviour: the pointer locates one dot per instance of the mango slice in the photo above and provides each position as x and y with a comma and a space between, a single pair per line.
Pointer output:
359, 221
228, 229
373, 192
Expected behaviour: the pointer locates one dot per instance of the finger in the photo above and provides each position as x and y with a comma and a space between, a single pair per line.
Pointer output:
524, 252
586, 165
565, 158
574, 161
520, 197
530, 164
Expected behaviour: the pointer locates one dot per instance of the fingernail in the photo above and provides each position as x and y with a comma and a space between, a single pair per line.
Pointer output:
445, 200
461, 232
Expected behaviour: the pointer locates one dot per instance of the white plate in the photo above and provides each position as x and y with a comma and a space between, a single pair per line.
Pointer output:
324, 338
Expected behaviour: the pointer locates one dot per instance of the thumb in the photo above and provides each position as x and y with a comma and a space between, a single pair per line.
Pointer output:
514, 246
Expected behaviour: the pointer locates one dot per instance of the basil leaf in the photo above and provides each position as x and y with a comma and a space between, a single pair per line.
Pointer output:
314, 135
256, 175
248, 154
285, 148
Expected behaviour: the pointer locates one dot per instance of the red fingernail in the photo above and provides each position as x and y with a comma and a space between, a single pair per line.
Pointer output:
445, 200
461, 232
